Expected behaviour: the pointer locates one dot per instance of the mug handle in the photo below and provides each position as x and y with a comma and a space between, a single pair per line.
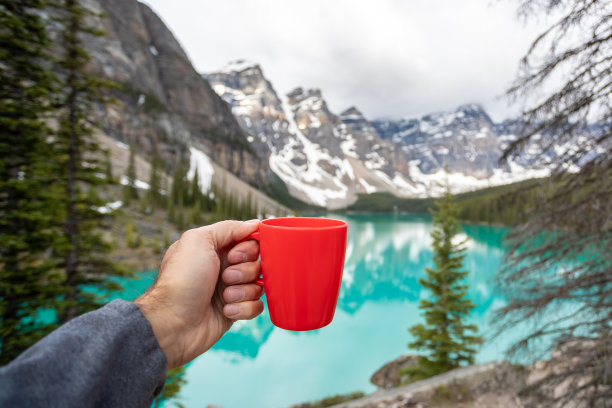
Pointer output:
255, 236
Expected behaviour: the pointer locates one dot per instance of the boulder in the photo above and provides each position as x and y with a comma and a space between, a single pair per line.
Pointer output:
388, 376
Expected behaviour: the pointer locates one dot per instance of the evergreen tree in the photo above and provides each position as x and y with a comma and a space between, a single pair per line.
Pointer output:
445, 335
26, 201
196, 214
170, 213
155, 176
83, 252
166, 239
108, 167
559, 258
196, 192
179, 181
130, 191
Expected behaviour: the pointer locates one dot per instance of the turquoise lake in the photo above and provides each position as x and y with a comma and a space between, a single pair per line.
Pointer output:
259, 365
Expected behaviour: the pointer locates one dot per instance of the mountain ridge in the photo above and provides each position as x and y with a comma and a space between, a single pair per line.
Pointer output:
328, 159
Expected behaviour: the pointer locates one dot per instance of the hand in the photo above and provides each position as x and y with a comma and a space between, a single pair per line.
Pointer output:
188, 305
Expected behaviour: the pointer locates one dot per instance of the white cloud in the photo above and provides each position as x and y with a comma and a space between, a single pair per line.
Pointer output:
391, 58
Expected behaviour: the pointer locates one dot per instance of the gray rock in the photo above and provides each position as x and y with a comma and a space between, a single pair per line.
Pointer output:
163, 102
388, 376
484, 385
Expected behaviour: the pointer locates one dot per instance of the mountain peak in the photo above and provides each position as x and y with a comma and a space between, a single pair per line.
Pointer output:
299, 94
352, 110
239, 65
470, 108
352, 114
473, 110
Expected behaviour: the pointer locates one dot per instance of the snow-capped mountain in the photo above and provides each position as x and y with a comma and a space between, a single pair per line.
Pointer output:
324, 158
467, 142
327, 159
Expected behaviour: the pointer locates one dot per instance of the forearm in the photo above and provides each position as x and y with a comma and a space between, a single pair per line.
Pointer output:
109, 357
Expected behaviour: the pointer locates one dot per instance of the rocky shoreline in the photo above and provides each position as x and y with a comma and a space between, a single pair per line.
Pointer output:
494, 384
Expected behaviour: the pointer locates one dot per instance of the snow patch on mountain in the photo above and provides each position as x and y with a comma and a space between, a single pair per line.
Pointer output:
199, 161
143, 185
434, 184
308, 176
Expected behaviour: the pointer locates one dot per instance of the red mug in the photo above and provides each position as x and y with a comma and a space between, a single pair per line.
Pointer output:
301, 263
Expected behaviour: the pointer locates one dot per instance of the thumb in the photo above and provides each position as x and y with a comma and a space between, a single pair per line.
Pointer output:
229, 232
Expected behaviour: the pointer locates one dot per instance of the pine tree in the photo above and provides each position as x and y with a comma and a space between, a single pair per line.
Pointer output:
559, 258
166, 239
179, 184
155, 176
196, 192
445, 335
170, 213
26, 199
83, 252
108, 167
130, 191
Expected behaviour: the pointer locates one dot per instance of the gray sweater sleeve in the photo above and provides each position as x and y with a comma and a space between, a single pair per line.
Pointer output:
106, 358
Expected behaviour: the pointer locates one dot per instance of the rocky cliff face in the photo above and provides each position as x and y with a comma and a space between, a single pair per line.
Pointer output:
162, 101
462, 140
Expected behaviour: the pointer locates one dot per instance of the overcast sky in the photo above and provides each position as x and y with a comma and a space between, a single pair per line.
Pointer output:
390, 58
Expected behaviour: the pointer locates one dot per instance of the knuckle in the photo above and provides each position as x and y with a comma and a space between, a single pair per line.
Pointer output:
187, 235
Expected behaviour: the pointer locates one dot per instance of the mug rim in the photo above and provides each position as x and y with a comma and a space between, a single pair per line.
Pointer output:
269, 222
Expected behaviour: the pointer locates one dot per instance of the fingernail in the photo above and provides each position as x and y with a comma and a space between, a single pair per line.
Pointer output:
233, 276
252, 221
232, 310
234, 294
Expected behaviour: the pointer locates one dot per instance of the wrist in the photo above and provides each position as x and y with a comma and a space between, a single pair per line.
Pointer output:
167, 337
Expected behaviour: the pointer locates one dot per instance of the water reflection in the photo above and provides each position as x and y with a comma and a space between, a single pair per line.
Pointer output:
246, 337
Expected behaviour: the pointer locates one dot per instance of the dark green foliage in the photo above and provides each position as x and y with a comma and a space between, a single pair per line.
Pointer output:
108, 167
154, 196
187, 206
157, 248
133, 238
494, 205
558, 268
445, 336
26, 87
81, 248
387, 202
175, 379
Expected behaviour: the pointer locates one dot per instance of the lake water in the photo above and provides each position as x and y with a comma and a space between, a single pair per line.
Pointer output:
259, 365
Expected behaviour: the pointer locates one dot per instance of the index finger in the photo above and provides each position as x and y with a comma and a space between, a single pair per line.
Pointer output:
228, 232
244, 252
